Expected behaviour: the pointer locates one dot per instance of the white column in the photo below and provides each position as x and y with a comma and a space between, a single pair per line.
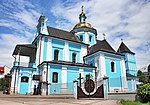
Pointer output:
123, 73
12, 81
49, 50
30, 80
16, 84
37, 53
42, 50
64, 77
102, 65
44, 86
83, 52
66, 52
44, 73
19, 81
86, 36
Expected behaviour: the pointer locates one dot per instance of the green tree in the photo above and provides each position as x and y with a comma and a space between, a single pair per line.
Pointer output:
144, 92
141, 76
3, 83
148, 70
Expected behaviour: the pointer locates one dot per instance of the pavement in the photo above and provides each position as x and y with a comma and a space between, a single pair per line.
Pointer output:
47, 100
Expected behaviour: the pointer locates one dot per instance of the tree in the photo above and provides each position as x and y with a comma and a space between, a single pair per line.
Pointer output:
141, 76
148, 70
144, 92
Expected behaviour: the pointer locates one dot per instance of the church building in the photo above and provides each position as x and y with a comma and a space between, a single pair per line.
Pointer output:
56, 58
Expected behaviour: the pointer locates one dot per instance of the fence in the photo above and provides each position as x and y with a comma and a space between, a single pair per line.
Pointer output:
61, 88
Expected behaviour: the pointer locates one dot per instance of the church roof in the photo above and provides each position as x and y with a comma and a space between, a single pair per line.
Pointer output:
58, 33
123, 48
25, 50
102, 46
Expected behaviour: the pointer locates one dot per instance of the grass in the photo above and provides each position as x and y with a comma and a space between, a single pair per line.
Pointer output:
123, 102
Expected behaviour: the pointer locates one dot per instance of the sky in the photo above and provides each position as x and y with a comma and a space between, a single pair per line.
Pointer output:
118, 19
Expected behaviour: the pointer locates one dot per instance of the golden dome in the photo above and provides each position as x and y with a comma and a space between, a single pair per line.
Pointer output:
83, 25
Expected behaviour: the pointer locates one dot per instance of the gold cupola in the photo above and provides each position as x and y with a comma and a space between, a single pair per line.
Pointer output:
83, 23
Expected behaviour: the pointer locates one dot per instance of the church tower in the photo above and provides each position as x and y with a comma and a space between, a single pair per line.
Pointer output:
84, 31
130, 60
42, 27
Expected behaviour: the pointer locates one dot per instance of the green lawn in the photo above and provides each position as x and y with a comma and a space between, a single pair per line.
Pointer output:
123, 102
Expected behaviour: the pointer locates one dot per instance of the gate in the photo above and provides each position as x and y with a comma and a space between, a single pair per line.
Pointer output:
90, 89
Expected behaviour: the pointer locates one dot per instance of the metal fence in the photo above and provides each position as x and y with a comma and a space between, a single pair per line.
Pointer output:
61, 88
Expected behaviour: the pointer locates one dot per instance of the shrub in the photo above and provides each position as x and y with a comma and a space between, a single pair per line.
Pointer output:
144, 92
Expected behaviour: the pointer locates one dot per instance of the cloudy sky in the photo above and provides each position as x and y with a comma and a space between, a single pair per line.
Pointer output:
126, 19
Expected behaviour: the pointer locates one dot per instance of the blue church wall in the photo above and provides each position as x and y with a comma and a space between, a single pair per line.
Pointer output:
55, 87
129, 84
58, 43
72, 74
114, 77
77, 55
74, 48
45, 48
60, 55
130, 63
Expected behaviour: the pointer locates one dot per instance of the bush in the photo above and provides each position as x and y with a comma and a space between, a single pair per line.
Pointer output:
144, 92
127, 102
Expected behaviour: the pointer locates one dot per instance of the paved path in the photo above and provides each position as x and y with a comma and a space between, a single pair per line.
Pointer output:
27, 101
50, 100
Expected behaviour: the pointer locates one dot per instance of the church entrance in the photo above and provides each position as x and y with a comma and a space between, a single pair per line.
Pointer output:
24, 85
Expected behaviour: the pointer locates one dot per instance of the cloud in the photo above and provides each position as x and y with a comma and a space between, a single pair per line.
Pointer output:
20, 17
118, 19
127, 19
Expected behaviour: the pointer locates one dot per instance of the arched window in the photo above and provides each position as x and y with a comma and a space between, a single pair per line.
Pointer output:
90, 38
112, 67
56, 53
81, 37
55, 77
74, 57
24, 79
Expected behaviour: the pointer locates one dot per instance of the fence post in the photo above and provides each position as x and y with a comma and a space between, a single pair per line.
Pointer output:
105, 80
75, 89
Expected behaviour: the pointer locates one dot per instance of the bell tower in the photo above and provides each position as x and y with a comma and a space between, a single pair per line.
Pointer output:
42, 27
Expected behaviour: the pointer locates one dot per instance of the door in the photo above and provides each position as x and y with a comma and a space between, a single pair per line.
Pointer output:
24, 85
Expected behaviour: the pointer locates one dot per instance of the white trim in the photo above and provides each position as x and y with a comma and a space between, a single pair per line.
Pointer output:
42, 50
83, 53
102, 65
64, 74
123, 74
66, 52
49, 50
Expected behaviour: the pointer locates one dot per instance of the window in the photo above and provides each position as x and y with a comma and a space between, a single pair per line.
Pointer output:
112, 67
74, 57
81, 38
55, 77
56, 53
90, 38
24, 79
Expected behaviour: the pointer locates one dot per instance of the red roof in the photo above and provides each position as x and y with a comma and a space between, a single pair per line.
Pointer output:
1, 69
